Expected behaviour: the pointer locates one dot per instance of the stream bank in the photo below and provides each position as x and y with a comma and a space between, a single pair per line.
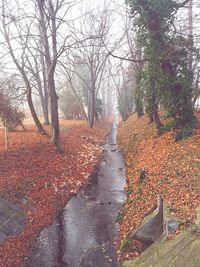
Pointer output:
156, 166
84, 233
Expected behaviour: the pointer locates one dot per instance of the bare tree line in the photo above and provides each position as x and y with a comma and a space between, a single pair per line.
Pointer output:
45, 44
36, 42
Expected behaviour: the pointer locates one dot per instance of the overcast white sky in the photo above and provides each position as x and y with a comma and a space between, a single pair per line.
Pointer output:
117, 5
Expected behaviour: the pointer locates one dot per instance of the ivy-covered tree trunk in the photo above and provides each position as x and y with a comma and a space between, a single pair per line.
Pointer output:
153, 106
139, 107
168, 76
182, 104
155, 114
139, 94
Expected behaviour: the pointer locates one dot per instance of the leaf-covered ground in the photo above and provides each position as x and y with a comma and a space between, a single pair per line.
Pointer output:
41, 181
173, 171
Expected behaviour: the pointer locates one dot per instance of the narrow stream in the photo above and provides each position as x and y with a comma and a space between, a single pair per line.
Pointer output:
83, 235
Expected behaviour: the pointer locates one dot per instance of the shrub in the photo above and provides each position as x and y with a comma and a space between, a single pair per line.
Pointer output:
184, 133
10, 116
168, 127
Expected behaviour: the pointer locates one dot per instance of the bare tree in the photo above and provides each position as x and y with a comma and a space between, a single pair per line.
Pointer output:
123, 80
135, 67
8, 20
48, 12
92, 54
50, 20
126, 76
37, 67
190, 33
70, 75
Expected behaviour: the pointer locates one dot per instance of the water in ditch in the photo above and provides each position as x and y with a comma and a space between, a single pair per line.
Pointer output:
83, 235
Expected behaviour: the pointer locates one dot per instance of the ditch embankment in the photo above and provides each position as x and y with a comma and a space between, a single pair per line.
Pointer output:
157, 166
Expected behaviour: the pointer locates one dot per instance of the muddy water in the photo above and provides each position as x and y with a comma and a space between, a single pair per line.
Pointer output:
84, 233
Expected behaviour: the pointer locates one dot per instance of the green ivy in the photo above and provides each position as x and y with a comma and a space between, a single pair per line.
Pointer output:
184, 133
171, 125
168, 82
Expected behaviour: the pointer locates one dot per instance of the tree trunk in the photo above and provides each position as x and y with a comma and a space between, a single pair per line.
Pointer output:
46, 93
196, 93
151, 120
46, 112
139, 105
25, 78
190, 33
33, 112
44, 106
80, 102
104, 100
6, 135
156, 117
50, 65
44, 98
41, 85
96, 116
55, 139
139, 93
91, 108
154, 108
125, 104
139, 100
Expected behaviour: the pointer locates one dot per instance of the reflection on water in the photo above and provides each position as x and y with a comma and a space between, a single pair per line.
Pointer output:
83, 235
